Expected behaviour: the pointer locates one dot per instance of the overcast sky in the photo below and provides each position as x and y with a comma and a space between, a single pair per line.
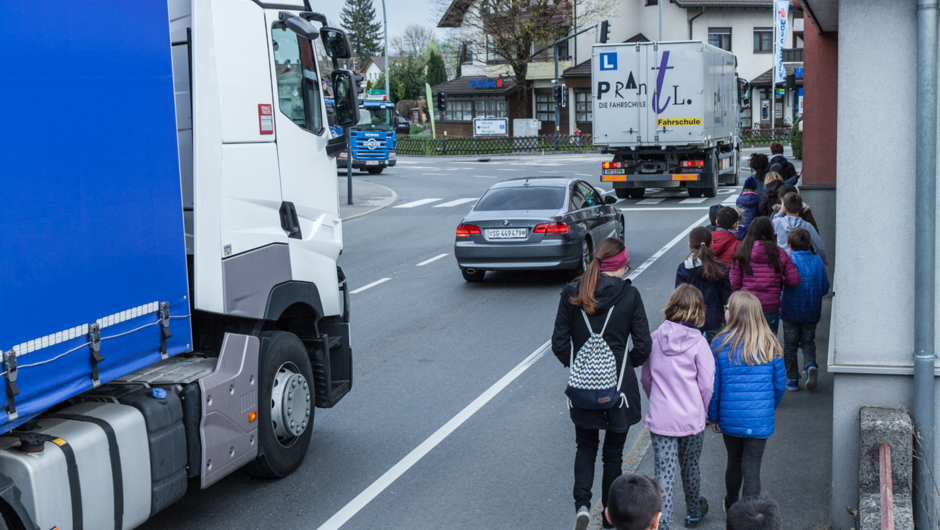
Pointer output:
400, 13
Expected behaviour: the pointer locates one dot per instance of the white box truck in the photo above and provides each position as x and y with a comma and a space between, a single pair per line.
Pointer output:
668, 113
171, 306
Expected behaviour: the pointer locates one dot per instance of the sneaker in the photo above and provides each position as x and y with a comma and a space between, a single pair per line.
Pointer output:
584, 518
692, 522
811, 374
793, 385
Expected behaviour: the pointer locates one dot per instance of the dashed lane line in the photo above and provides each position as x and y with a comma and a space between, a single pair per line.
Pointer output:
373, 284
435, 258
651, 201
360, 501
454, 203
665, 209
421, 202
693, 200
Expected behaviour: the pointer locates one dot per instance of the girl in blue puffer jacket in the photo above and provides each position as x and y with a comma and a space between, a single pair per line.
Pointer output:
749, 383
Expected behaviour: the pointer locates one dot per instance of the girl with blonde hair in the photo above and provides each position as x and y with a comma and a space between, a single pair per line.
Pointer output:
771, 196
749, 382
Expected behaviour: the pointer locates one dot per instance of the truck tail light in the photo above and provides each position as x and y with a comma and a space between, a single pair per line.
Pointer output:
550, 229
692, 163
467, 230
612, 165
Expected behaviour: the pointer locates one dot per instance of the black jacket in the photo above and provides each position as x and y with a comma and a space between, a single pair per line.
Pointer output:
769, 198
788, 172
628, 318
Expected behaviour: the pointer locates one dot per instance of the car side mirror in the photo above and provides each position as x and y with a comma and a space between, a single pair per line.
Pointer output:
610, 200
336, 43
345, 98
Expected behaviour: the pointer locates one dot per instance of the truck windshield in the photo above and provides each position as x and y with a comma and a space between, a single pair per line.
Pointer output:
375, 119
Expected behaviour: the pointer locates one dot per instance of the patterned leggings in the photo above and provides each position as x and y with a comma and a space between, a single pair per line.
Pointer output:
671, 453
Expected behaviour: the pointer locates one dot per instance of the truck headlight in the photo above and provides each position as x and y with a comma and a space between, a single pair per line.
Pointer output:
343, 154
391, 154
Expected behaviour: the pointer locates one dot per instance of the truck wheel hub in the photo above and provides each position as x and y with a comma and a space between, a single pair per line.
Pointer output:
290, 404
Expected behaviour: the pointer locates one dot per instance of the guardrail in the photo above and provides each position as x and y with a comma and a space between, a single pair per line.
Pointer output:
423, 146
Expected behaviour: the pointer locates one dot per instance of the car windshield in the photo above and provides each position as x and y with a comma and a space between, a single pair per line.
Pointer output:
522, 198
375, 119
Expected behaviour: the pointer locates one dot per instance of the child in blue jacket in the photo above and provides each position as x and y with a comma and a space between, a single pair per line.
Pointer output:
749, 383
801, 307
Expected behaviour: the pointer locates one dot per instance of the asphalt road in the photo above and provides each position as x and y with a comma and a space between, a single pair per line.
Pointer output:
457, 417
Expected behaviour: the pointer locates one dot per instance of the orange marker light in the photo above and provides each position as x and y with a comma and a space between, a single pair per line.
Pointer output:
252, 416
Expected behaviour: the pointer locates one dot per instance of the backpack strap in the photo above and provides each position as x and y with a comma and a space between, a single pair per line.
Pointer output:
588, 323
606, 320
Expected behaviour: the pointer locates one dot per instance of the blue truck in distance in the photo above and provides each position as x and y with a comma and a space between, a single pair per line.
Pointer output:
373, 138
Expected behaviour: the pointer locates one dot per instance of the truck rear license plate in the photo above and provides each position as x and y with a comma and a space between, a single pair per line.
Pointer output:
507, 233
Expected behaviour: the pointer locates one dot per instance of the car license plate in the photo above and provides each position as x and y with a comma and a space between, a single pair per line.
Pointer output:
372, 162
506, 233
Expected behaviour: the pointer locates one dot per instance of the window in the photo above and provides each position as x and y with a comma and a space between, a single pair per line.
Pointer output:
763, 40
466, 54
591, 197
563, 51
298, 87
583, 105
496, 109
459, 110
544, 107
521, 198
720, 37
745, 122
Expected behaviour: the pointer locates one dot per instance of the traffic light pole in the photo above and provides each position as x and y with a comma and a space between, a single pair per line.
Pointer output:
349, 193
554, 90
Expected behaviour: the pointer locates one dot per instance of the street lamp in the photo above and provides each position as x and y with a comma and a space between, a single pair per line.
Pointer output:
388, 68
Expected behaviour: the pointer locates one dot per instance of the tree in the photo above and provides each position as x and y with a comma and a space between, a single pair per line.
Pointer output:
518, 32
437, 74
365, 32
406, 81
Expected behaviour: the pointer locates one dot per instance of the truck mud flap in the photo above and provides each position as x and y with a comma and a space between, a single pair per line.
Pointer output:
331, 357
229, 425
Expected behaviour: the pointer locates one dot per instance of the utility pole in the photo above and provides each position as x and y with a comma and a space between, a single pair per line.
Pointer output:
659, 3
388, 72
556, 86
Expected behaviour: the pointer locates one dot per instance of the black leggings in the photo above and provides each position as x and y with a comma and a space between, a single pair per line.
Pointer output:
585, 458
744, 458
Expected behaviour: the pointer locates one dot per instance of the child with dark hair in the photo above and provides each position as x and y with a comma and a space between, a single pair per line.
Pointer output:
678, 379
760, 164
801, 308
748, 202
755, 513
702, 270
762, 268
725, 238
788, 218
635, 502
713, 217
805, 213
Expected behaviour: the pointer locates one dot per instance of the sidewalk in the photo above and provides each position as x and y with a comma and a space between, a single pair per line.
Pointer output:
368, 197
797, 467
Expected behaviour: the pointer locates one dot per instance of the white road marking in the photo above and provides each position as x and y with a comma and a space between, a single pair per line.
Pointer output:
693, 200
373, 284
723, 191
732, 199
651, 201
665, 209
435, 258
584, 174
390, 476
360, 501
607, 192
421, 167
504, 169
421, 202
453, 203
659, 253
480, 176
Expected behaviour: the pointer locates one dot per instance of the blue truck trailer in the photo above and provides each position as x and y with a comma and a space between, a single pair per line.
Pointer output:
171, 308
373, 137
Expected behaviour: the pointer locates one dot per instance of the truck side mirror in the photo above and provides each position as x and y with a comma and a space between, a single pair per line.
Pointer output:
298, 25
345, 98
744, 93
336, 43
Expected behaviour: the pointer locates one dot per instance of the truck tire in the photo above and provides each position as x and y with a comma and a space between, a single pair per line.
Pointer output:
713, 189
622, 193
375, 170
637, 193
695, 192
285, 378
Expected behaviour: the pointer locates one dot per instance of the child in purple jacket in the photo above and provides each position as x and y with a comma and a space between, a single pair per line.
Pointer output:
678, 379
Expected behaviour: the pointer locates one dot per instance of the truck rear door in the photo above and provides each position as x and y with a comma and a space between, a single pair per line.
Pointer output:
676, 83
620, 94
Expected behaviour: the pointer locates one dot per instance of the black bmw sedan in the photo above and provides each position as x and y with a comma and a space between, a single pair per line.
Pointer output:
535, 223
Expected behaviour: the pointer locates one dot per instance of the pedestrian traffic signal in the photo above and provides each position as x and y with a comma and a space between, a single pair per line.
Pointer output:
564, 96
605, 32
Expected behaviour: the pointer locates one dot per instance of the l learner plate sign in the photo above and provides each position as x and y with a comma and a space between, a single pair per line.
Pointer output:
506, 233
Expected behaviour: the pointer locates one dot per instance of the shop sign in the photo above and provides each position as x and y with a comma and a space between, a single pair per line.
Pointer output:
490, 82
490, 126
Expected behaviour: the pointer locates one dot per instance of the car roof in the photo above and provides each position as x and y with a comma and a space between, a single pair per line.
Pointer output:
552, 182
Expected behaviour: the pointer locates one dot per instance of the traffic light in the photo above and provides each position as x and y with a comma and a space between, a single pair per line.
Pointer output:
791, 82
556, 94
564, 96
441, 103
605, 32
357, 79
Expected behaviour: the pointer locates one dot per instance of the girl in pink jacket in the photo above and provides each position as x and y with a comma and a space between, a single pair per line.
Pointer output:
678, 379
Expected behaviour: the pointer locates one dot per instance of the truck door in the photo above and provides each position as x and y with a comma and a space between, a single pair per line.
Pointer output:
308, 176
677, 100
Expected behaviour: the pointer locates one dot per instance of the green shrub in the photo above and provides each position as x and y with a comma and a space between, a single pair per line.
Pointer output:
796, 139
415, 129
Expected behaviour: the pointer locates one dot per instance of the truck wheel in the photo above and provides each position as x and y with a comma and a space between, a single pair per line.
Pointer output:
622, 193
285, 410
637, 193
375, 170
695, 192
713, 190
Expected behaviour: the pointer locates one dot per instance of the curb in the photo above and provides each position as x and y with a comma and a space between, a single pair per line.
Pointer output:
385, 204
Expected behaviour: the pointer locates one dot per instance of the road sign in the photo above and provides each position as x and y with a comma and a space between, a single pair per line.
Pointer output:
490, 126
376, 92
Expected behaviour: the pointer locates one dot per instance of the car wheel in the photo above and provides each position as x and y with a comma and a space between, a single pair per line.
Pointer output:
622, 193
375, 170
622, 231
637, 193
695, 192
472, 275
285, 406
586, 257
